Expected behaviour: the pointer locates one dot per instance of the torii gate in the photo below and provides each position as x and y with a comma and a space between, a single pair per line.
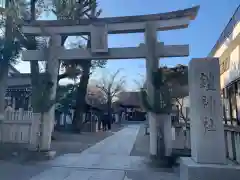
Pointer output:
99, 29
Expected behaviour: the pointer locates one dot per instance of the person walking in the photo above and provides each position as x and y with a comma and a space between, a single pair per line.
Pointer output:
104, 123
109, 121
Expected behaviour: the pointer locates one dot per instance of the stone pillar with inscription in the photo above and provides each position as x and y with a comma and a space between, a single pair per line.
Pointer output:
207, 134
208, 153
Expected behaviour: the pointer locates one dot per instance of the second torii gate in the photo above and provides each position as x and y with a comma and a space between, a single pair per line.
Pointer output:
99, 29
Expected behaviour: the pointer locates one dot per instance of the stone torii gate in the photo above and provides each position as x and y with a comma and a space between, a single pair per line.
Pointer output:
99, 29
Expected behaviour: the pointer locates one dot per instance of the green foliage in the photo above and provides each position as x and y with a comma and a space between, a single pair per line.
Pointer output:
18, 9
145, 101
66, 97
98, 64
161, 79
157, 79
176, 75
9, 51
160, 104
77, 65
79, 10
44, 101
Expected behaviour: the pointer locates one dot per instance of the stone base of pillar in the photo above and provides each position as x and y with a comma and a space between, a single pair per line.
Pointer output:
167, 134
190, 170
41, 155
161, 162
1, 117
152, 119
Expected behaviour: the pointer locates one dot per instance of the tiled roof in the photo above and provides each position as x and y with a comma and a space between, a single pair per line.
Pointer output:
19, 80
129, 99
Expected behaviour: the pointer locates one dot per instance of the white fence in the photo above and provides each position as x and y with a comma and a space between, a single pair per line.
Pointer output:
181, 140
232, 140
20, 127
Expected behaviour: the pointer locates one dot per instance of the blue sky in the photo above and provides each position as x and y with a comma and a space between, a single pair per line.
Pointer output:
201, 34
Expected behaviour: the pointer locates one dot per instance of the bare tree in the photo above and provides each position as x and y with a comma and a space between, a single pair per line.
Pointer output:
111, 85
183, 116
141, 83
180, 102
95, 96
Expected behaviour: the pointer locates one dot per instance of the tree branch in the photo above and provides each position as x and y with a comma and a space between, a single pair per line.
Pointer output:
102, 88
118, 87
181, 109
113, 77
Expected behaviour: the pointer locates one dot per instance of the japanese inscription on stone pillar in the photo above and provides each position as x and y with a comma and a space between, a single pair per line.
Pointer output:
207, 131
208, 101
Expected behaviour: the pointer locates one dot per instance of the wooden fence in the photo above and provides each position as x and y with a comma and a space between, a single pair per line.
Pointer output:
20, 127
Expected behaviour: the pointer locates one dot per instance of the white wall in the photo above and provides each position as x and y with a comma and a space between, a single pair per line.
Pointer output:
230, 48
234, 67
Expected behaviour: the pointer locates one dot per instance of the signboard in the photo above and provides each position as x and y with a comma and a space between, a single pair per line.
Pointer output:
99, 38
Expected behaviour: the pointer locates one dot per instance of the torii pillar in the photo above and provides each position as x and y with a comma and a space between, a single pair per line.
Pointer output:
152, 63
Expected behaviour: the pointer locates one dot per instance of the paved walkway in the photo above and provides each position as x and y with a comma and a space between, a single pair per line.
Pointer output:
107, 160
13, 171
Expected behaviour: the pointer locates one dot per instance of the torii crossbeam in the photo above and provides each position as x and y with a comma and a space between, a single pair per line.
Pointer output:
99, 30
115, 25
113, 53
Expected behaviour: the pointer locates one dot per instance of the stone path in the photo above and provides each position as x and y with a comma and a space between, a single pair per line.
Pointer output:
107, 160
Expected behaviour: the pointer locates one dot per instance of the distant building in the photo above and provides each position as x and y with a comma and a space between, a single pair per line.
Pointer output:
129, 106
18, 92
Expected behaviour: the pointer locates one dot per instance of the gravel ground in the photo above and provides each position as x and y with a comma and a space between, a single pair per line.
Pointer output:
64, 143
75, 143
17, 162
13, 171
